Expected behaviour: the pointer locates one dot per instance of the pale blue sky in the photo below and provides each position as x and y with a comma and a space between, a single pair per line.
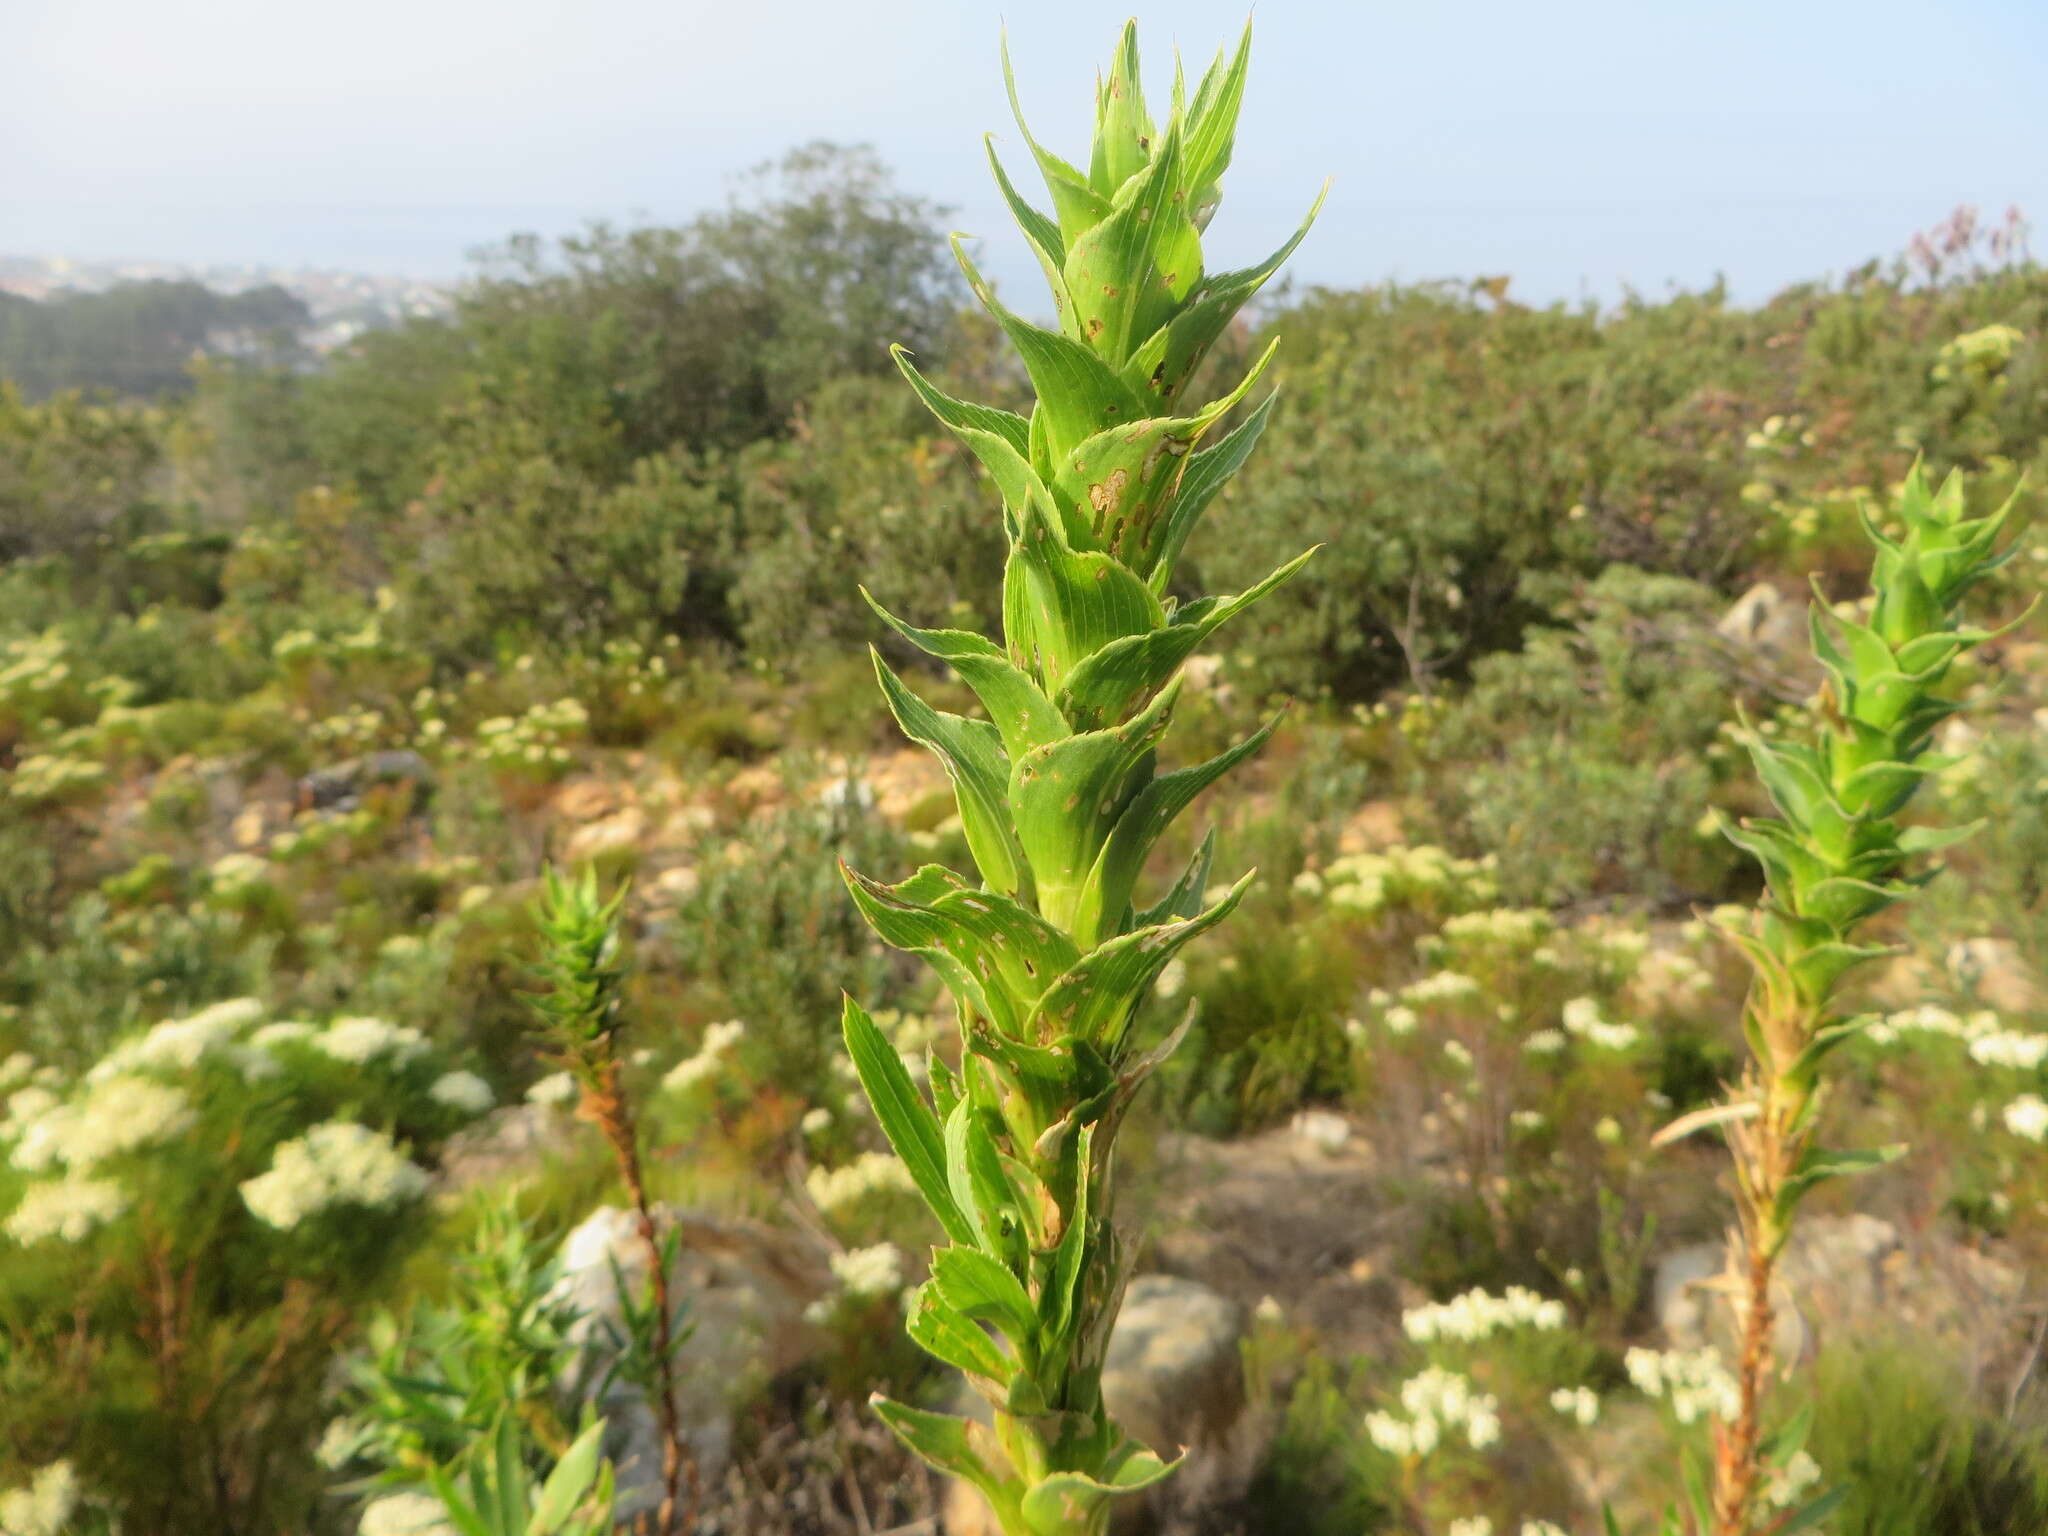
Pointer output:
1577, 145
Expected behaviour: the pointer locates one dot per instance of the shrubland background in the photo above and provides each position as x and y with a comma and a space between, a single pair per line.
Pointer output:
306, 670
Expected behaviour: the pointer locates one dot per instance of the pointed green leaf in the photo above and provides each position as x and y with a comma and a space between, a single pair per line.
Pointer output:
1058, 1304
1212, 129
1165, 360
955, 1124
568, 1483
1123, 128
971, 752
1064, 799
1094, 1000
1110, 682
906, 1120
945, 1440
1000, 440
1185, 899
1130, 273
1078, 393
1124, 481
941, 1331
1206, 473
1040, 233
1078, 204
1016, 705
1074, 601
981, 1288
1108, 891
993, 952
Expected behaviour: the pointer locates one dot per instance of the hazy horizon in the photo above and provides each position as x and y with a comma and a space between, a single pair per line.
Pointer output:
1580, 150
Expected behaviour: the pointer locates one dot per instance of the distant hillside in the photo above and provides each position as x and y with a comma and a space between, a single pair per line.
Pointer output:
139, 338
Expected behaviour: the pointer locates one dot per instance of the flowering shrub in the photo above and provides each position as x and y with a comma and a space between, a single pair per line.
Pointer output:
237, 1186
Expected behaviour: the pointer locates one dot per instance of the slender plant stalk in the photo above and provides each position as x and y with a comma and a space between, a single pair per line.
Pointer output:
582, 1012
1049, 952
1833, 858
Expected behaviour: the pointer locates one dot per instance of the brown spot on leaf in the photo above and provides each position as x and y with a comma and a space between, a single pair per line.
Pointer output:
1105, 496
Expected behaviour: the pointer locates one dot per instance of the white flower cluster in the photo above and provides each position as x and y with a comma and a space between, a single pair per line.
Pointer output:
1439, 1404
1398, 1019
1669, 978
16, 1070
1369, 882
65, 1208
362, 1041
1544, 1042
835, 1189
1788, 1483
1695, 1381
1580, 1404
1541, 1528
1470, 1525
1440, 987
2027, 1116
1582, 1019
538, 739
336, 1163
557, 1090
290, 1032
2012, 1048
114, 1116
179, 1045
339, 1445
463, 1092
1932, 1019
44, 1507
693, 1071
1477, 1315
1508, 927
874, 1271
24, 1107
1173, 979
406, 1514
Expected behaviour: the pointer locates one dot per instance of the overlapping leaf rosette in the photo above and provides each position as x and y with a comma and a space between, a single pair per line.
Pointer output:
1049, 951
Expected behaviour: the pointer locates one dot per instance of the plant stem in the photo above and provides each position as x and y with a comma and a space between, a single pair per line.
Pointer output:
1735, 1460
613, 1113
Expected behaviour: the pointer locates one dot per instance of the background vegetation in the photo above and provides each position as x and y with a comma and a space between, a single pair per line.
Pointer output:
305, 671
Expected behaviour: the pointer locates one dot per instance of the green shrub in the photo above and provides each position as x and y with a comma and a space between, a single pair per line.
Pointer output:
1897, 1425
1585, 763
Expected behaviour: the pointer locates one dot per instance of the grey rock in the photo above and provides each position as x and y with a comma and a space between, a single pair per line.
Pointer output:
744, 1287
1766, 620
1848, 1275
341, 787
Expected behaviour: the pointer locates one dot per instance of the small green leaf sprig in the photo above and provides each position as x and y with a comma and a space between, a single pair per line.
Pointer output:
1048, 954
1834, 858
581, 1009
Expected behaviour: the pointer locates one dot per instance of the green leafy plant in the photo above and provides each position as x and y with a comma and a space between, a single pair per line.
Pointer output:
1835, 858
582, 1016
1061, 800
497, 1497
434, 1381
